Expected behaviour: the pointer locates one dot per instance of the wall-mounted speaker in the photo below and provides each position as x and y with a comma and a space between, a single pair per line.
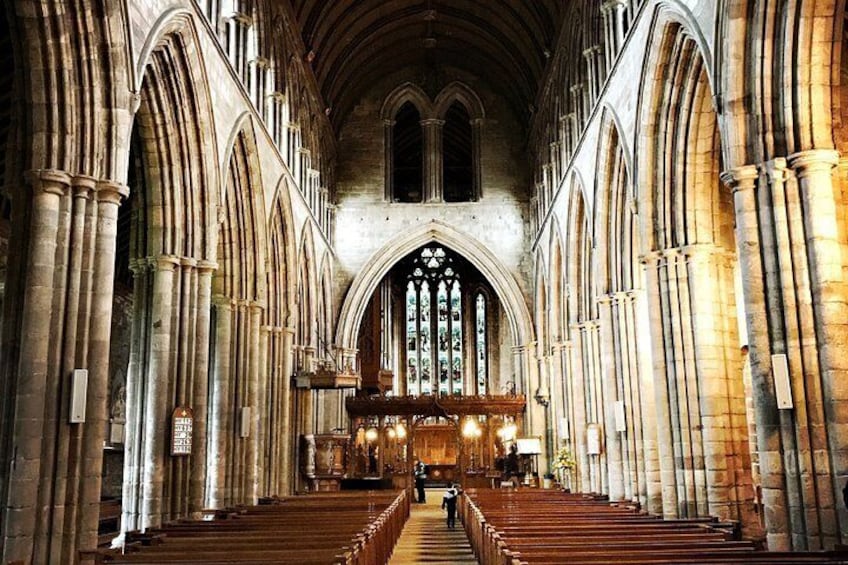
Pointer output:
618, 413
79, 390
593, 439
782, 385
564, 431
244, 424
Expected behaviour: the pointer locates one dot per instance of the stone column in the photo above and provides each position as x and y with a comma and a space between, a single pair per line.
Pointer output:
610, 394
609, 32
648, 418
157, 402
618, 9
109, 196
477, 158
591, 72
721, 395
254, 464
200, 389
829, 392
219, 412
743, 181
577, 108
579, 402
656, 276
432, 173
20, 508
388, 159
288, 436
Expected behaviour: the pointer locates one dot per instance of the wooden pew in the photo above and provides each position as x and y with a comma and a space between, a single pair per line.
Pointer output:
355, 528
531, 526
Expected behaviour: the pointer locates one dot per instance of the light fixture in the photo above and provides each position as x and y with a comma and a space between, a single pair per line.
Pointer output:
371, 434
471, 428
542, 396
508, 432
400, 430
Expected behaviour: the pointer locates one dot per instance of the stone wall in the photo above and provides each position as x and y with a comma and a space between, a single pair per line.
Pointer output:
365, 222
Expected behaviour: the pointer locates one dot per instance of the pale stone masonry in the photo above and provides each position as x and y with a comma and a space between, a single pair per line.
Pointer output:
657, 204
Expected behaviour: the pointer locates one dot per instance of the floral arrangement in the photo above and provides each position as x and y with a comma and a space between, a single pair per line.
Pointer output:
564, 460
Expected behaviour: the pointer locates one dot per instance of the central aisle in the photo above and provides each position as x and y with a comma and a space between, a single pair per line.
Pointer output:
427, 539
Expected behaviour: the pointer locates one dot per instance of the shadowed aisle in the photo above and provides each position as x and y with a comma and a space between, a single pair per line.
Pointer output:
427, 539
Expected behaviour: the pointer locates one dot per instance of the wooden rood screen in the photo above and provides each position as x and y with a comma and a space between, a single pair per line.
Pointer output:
531, 526
356, 528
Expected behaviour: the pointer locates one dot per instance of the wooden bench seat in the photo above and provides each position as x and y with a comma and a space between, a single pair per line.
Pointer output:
349, 529
527, 527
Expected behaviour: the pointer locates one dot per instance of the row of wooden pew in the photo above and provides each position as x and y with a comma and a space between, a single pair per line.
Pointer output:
351, 528
508, 527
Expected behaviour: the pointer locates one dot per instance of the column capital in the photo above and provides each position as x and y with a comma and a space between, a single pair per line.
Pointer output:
139, 266
431, 122
604, 299
740, 178
651, 257
776, 169
221, 301
83, 186
476, 122
164, 262
205, 267
52, 181
813, 161
614, 4
187, 263
111, 191
389, 123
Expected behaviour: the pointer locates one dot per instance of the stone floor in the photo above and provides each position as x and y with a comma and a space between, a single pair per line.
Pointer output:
427, 539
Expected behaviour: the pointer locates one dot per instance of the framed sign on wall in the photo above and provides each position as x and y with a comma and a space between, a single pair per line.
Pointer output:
182, 429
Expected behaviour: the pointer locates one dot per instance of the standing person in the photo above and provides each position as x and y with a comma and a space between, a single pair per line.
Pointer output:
449, 501
420, 472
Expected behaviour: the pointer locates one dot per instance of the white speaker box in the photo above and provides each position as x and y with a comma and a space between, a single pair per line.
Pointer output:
782, 386
79, 390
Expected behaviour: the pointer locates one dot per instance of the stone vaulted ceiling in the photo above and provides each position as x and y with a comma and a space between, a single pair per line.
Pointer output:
350, 44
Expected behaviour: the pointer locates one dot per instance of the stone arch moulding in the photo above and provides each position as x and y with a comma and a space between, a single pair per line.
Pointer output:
406, 92
457, 91
611, 122
363, 286
175, 20
280, 215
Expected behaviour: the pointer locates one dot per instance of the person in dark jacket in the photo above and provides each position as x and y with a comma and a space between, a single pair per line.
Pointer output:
449, 501
420, 473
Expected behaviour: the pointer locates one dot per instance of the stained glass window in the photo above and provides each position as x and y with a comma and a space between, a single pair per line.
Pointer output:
480, 343
434, 325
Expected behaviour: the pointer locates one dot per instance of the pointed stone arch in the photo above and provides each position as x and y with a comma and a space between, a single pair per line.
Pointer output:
462, 93
279, 324
236, 463
406, 92
503, 282
614, 217
283, 255
687, 231
307, 289
176, 128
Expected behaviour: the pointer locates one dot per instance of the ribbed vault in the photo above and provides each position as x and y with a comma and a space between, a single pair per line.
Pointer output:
351, 44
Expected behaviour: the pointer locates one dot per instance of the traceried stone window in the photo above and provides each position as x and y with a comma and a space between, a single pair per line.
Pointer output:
434, 323
433, 147
457, 164
407, 155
